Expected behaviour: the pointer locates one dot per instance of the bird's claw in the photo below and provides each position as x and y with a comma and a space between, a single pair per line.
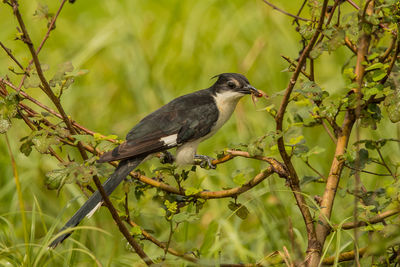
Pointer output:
166, 158
205, 161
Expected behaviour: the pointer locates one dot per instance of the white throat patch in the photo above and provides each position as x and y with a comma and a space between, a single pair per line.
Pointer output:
226, 103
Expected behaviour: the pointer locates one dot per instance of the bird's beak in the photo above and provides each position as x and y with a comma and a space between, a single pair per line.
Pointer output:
251, 90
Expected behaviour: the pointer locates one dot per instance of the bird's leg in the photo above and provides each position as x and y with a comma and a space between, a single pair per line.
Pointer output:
204, 161
166, 157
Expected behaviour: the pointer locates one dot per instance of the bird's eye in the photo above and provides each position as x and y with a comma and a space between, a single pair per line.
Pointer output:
231, 84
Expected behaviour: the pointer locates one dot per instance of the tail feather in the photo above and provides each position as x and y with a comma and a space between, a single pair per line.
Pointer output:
123, 169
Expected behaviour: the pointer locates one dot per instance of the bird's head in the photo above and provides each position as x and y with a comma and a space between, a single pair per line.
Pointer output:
234, 83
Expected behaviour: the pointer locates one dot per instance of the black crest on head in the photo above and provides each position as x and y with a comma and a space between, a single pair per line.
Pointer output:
230, 82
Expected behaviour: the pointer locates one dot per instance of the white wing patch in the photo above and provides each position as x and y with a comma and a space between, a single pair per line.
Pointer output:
170, 140
90, 214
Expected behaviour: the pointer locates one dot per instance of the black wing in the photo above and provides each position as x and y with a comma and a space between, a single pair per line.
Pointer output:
189, 117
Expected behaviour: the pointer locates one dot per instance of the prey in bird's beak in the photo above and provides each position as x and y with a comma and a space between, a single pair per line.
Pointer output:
255, 94
251, 90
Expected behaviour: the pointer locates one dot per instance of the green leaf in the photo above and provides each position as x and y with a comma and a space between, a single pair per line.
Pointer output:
26, 147
378, 65
239, 179
85, 138
171, 206
192, 191
378, 75
60, 77
392, 104
373, 56
55, 179
185, 217
136, 230
42, 11
309, 179
240, 210
372, 227
5, 125
32, 82
43, 142
296, 140
363, 156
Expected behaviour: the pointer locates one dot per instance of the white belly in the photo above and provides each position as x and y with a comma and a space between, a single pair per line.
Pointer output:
226, 103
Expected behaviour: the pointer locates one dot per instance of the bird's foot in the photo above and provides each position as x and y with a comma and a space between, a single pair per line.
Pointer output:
204, 161
166, 157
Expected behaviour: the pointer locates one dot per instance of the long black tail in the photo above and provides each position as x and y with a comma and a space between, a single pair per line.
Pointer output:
121, 172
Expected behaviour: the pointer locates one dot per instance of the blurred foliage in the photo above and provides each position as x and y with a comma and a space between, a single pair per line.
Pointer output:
113, 62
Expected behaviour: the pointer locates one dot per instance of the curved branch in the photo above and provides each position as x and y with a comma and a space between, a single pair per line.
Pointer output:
376, 219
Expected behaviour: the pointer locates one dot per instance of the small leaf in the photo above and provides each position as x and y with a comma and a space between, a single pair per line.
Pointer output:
192, 191
240, 210
5, 125
171, 206
379, 75
32, 82
185, 217
378, 65
296, 140
136, 230
392, 104
26, 147
55, 179
309, 179
42, 11
239, 179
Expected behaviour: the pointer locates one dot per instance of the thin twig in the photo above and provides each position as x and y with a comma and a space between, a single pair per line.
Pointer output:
292, 63
385, 164
315, 170
373, 173
8, 51
328, 131
284, 12
53, 112
47, 35
353, 4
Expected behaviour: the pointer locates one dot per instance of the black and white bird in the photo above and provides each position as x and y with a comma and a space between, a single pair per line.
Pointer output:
183, 123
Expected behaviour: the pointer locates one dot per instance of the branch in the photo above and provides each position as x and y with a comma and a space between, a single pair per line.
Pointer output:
346, 256
376, 219
51, 111
8, 51
294, 183
322, 228
284, 12
294, 65
49, 29
384, 163
373, 173
46, 89
138, 249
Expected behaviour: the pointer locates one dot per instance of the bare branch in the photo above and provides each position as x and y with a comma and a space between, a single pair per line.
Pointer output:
346, 256
8, 51
377, 219
284, 12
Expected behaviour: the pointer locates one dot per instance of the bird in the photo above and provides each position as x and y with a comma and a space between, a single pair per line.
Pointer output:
183, 123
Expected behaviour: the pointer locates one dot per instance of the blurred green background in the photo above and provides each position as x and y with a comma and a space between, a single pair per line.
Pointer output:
140, 55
